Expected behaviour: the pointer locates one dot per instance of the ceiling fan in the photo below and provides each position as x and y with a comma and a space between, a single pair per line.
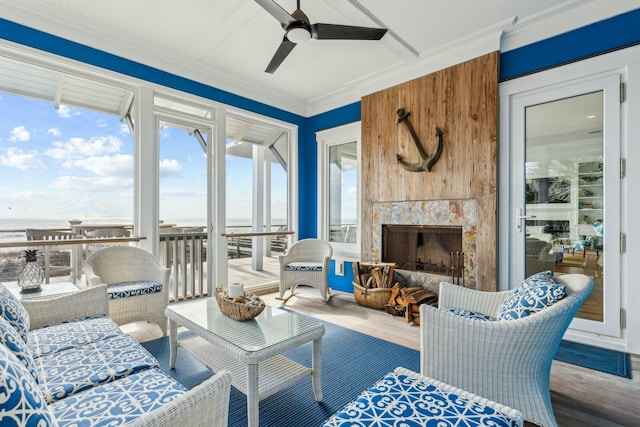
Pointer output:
298, 29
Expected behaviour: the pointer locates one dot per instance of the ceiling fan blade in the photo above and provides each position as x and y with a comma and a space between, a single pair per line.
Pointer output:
277, 12
345, 32
283, 51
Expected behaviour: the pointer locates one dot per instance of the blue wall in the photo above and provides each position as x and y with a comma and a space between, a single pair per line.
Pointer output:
601, 37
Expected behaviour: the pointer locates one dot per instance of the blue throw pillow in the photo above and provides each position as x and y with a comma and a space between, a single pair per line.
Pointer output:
14, 342
534, 294
22, 400
14, 312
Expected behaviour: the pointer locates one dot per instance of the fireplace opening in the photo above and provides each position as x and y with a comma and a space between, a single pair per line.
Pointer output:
426, 248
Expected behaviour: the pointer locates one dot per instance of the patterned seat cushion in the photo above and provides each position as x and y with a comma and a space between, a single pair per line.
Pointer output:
10, 338
534, 294
469, 314
62, 336
131, 289
79, 368
14, 312
118, 402
403, 398
22, 403
303, 266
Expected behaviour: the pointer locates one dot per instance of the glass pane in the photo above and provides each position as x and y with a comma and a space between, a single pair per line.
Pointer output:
343, 192
62, 164
564, 191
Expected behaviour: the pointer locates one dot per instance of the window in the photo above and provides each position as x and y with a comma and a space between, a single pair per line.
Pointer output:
339, 189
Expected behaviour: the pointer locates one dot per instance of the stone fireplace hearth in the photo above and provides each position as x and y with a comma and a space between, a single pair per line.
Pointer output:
436, 213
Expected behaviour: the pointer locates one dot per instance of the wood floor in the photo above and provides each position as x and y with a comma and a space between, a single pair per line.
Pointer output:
590, 265
581, 397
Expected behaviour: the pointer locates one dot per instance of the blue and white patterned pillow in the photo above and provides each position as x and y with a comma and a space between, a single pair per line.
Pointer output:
22, 400
469, 314
534, 294
14, 312
13, 341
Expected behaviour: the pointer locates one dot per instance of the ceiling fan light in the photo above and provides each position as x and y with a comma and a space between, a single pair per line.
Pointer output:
298, 35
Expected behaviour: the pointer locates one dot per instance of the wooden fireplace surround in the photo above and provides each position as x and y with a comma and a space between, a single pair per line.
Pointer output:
462, 101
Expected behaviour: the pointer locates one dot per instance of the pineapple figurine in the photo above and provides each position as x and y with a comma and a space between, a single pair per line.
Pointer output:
32, 275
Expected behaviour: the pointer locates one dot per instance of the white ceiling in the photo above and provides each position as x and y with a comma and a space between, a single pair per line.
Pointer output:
228, 43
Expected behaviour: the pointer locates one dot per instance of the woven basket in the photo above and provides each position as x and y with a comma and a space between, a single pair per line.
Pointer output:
372, 297
239, 310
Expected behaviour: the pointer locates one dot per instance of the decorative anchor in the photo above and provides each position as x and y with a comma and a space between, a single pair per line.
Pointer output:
426, 161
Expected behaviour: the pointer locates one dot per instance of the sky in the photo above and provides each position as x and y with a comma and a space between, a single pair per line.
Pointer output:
70, 163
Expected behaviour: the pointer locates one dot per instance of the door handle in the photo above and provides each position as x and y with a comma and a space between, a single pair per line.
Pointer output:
521, 218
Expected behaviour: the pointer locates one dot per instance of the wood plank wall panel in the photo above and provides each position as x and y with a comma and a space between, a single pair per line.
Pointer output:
462, 100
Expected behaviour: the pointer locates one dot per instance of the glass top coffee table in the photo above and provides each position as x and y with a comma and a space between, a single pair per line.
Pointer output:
251, 350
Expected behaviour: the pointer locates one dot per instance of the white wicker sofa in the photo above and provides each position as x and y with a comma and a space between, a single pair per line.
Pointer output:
82, 370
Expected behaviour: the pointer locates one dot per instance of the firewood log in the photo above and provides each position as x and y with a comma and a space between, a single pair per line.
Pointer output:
376, 273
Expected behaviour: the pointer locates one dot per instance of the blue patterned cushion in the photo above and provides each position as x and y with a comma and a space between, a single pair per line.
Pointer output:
67, 372
21, 401
119, 402
303, 266
469, 314
14, 342
534, 294
131, 289
402, 400
62, 336
14, 312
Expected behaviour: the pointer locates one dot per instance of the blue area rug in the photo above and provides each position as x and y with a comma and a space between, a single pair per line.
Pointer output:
600, 359
351, 363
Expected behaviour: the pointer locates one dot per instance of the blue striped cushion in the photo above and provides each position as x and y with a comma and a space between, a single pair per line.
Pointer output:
119, 402
67, 372
469, 314
402, 400
130, 289
62, 336
303, 266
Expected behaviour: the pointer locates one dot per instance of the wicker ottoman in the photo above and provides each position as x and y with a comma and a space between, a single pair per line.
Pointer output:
412, 399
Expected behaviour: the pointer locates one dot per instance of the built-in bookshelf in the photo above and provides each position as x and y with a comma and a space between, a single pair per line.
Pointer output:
590, 184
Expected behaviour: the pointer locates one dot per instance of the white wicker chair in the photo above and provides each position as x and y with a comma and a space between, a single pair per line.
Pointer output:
506, 361
306, 263
119, 264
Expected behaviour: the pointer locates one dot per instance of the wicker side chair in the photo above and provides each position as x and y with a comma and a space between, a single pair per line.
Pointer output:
508, 361
124, 266
306, 263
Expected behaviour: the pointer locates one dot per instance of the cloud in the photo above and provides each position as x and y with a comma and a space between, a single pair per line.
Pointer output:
119, 165
80, 147
170, 167
19, 134
124, 129
92, 184
64, 111
101, 123
20, 160
55, 132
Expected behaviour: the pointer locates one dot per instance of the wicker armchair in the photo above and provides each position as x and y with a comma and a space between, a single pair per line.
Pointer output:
306, 263
506, 361
539, 256
123, 264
